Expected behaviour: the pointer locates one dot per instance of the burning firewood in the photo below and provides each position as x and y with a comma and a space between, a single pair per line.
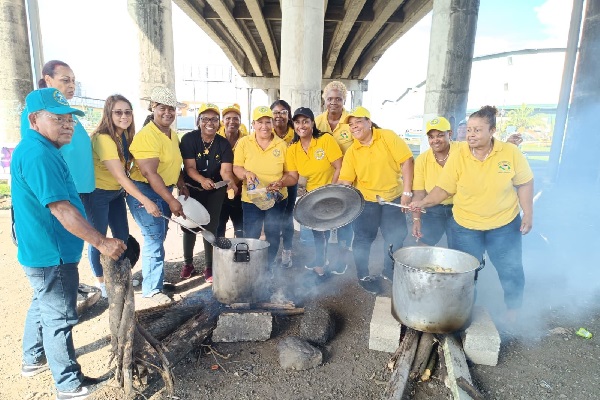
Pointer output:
406, 354
423, 355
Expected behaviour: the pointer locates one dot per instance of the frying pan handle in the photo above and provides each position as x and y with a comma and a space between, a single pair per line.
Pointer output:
481, 265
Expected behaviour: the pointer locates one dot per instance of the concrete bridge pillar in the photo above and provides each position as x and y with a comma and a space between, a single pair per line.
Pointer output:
357, 98
273, 94
451, 47
15, 64
302, 52
155, 34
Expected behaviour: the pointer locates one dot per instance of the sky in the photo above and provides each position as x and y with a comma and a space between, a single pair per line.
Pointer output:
99, 40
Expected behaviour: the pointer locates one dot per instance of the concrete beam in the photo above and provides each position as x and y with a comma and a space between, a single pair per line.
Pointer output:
273, 83
413, 11
354, 7
229, 21
235, 56
383, 9
263, 31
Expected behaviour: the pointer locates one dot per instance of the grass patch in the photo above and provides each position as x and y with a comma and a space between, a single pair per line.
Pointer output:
4, 189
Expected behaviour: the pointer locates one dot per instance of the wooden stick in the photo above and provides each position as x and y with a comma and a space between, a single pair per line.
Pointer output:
399, 379
469, 388
430, 366
423, 355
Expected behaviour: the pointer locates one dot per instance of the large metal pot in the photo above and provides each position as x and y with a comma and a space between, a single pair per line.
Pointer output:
430, 301
240, 274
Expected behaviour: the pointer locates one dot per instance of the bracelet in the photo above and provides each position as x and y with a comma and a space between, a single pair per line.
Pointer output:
409, 194
416, 219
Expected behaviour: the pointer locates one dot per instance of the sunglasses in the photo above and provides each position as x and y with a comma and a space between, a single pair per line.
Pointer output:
120, 113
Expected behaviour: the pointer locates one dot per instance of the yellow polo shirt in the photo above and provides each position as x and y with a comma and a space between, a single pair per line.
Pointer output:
289, 136
104, 148
243, 132
376, 169
268, 164
484, 192
150, 142
315, 164
341, 133
427, 171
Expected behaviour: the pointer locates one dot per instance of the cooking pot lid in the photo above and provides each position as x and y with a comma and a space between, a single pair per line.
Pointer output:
329, 207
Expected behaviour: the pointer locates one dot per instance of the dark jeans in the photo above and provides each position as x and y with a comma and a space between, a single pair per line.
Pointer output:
232, 208
344, 236
105, 208
504, 247
212, 200
435, 223
50, 320
254, 218
320, 240
287, 223
392, 222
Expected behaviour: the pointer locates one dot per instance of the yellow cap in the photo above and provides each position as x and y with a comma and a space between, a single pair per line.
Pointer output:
358, 112
234, 107
439, 124
208, 106
261, 111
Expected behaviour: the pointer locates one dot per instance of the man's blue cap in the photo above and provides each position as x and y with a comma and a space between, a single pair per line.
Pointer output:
51, 100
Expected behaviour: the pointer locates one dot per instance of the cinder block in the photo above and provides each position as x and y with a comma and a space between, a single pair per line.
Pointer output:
481, 340
385, 330
456, 366
243, 327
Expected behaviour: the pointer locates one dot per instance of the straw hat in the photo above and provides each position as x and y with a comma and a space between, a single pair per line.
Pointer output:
163, 95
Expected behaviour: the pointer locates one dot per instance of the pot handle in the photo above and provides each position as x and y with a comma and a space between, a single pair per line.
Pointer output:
481, 265
391, 254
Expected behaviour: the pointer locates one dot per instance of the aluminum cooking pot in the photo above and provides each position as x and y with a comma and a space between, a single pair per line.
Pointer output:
329, 207
434, 288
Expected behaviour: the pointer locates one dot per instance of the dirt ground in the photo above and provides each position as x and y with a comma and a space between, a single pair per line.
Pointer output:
540, 359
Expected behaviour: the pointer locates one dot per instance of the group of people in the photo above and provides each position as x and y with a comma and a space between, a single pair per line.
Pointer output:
80, 185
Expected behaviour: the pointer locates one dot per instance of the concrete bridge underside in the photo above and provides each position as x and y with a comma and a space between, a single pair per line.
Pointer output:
356, 32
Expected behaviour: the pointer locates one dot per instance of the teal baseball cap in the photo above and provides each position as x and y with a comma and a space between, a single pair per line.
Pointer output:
51, 100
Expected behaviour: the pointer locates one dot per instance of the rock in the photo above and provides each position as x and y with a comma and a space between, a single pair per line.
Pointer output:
243, 327
317, 326
296, 353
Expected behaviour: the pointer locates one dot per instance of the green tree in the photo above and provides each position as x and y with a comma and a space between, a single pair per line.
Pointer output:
524, 119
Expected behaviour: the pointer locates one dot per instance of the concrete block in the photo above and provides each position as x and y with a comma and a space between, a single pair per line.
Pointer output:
243, 327
481, 340
384, 330
456, 366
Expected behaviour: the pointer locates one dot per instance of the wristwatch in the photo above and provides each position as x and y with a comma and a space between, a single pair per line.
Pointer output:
409, 194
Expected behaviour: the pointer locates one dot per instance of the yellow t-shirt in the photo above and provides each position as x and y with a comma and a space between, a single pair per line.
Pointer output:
150, 142
289, 136
341, 133
315, 164
427, 171
376, 169
243, 132
268, 164
485, 196
104, 149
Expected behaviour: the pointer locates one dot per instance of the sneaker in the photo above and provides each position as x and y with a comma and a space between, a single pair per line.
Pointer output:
34, 369
135, 282
82, 392
102, 287
388, 275
208, 275
286, 258
369, 284
160, 298
311, 266
187, 271
339, 268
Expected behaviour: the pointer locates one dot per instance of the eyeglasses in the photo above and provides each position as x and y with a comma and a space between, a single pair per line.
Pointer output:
120, 113
206, 120
283, 113
62, 120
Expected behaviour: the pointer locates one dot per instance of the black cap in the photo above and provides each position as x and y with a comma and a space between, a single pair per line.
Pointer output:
305, 112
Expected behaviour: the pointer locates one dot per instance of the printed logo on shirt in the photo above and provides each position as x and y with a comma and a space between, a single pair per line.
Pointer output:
276, 152
345, 135
319, 154
504, 167
58, 96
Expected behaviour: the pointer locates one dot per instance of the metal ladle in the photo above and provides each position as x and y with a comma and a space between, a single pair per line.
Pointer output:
206, 234
389, 203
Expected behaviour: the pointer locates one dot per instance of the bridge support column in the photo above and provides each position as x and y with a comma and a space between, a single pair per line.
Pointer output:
357, 98
155, 34
273, 94
302, 52
451, 47
16, 78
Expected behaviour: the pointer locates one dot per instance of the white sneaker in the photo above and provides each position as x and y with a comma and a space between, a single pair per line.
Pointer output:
102, 287
286, 258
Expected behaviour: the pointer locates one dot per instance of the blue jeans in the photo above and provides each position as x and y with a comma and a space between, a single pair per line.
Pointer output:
287, 223
392, 222
154, 231
344, 236
50, 320
504, 247
254, 218
106, 208
435, 223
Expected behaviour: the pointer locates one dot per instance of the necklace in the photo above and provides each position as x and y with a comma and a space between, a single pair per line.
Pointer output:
486, 156
207, 148
445, 158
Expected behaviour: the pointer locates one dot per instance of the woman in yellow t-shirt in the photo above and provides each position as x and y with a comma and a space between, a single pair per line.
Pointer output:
110, 152
378, 163
317, 157
489, 180
259, 161
156, 170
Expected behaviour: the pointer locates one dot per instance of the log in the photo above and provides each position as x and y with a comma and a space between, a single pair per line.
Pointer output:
399, 379
430, 366
469, 388
422, 355
268, 306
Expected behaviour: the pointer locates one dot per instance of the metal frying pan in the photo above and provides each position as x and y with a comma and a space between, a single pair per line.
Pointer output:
329, 207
